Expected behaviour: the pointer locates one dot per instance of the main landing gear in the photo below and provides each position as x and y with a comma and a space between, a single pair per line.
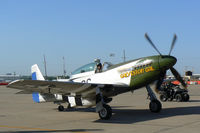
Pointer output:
104, 110
155, 105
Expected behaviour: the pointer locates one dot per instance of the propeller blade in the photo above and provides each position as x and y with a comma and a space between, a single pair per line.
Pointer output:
178, 77
160, 81
158, 85
147, 37
173, 43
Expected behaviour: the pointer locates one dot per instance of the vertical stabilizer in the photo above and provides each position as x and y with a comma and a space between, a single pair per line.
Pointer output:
36, 73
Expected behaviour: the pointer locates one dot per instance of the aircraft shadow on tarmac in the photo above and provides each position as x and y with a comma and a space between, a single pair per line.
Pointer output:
56, 131
130, 116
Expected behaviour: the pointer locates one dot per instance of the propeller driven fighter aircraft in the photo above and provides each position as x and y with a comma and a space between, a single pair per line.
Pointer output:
87, 87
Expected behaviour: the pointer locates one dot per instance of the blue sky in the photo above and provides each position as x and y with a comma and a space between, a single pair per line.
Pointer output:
82, 30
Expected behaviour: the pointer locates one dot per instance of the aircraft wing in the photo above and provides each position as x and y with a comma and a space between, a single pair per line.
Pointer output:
55, 87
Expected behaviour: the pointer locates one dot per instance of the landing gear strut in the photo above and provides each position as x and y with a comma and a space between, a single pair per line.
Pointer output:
155, 105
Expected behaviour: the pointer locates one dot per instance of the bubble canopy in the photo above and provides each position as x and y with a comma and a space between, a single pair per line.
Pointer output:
86, 68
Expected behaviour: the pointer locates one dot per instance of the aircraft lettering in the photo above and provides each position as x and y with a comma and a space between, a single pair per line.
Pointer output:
149, 69
137, 72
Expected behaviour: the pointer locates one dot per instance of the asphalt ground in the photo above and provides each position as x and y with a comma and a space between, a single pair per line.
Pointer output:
19, 114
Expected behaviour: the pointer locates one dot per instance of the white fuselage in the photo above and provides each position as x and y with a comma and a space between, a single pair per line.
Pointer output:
112, 76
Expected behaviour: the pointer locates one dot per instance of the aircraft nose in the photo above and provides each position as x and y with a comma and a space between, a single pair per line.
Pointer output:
167, 61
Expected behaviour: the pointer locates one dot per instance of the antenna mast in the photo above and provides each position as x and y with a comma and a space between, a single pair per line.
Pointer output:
45, 67
64, 70
124, 56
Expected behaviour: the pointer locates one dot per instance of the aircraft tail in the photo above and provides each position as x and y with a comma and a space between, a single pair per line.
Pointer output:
36, 73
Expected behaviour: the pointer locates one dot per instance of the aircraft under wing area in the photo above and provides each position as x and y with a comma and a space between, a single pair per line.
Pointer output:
54, 87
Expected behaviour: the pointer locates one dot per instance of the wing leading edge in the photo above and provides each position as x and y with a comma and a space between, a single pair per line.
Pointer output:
55, 87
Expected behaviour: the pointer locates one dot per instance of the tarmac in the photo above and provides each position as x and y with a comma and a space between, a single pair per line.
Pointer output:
19, 114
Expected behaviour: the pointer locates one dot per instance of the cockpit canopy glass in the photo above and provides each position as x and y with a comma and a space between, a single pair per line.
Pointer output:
86, 68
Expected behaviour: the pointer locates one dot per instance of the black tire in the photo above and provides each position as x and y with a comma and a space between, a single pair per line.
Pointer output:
106, 112
178, 97
155, 106
186, 97
61, 108
163, 97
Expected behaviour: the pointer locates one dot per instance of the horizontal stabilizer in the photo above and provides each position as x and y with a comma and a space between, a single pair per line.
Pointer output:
24, 92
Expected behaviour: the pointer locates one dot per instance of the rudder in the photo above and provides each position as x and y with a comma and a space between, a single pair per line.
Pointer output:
36, 73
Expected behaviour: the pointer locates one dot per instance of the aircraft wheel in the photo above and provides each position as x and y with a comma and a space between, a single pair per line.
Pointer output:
155, 106
186, 97
61, 108
106, 112
163, 97
178, 97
